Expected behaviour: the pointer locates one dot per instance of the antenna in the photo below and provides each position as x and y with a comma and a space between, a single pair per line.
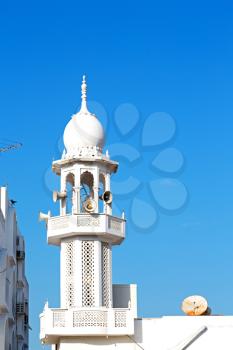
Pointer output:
194, 305
10, 147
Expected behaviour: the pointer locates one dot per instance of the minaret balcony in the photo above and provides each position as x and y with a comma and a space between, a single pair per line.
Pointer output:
106, 227
56, 323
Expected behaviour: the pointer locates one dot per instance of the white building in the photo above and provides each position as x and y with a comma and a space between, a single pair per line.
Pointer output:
93, 312
13, 283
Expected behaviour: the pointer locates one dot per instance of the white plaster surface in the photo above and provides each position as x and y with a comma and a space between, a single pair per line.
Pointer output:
166, 333
13, 283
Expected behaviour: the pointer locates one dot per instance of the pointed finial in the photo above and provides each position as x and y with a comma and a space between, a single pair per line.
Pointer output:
46, 306
84, 95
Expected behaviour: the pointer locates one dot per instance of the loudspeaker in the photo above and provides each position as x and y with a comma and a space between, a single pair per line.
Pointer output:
59, 195
106, 197
89, 205
43, 216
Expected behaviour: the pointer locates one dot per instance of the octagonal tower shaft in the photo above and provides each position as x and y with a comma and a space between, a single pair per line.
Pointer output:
85, 235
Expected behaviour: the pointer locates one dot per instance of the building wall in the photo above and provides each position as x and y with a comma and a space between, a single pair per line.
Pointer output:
181, 332
166, 333
13, 283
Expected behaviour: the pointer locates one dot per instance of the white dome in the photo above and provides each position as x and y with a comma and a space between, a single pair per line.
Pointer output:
84, 130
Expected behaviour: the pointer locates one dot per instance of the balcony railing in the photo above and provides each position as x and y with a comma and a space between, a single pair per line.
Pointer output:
86, 224
79, 322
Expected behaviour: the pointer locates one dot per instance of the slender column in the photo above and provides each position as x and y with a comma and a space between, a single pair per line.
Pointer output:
63, 189
77, 188
75, 200
107, 207
96, 198
96, 189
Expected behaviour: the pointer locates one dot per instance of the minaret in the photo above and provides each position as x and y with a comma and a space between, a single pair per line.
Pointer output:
86, 230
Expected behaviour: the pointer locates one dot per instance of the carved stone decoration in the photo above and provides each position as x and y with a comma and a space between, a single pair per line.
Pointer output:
59, 222
88, 221
106, 274
88, 274
90, 318
70, 261
120, 319
59, 319
83, 152
114, 224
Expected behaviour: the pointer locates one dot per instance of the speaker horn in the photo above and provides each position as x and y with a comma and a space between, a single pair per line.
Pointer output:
106, 197
59, 195
89, 205
44, 217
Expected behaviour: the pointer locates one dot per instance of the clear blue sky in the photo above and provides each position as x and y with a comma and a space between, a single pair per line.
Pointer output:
161, 56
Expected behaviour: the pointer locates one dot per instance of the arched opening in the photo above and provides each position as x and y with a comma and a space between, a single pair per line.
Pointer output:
102, 187
69, 192
86, 191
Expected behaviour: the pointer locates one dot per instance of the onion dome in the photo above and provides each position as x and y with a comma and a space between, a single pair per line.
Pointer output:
84, 131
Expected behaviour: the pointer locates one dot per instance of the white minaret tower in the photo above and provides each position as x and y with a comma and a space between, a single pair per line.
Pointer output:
86, 230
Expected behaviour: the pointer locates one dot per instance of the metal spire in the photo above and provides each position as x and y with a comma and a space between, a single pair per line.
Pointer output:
84, 95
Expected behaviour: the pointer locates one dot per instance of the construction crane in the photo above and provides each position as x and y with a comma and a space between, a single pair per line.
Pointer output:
10, 147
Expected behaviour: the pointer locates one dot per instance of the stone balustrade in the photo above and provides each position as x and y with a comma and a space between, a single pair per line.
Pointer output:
88, 321
104, 226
